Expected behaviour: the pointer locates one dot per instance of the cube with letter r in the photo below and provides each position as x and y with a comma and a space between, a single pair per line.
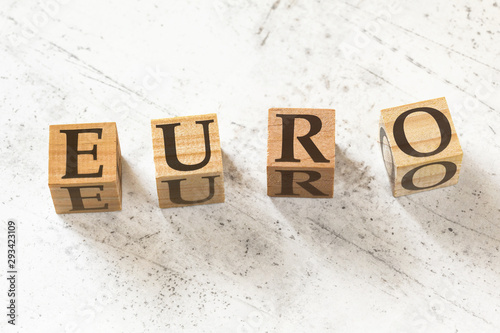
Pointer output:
301, 153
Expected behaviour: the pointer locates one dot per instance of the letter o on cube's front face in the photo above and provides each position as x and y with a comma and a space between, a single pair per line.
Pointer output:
188, 161
85, 168
301, 153
420, 146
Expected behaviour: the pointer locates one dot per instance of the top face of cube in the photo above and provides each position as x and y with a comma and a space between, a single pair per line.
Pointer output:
420, 130
186, 145
301, 138
83, 153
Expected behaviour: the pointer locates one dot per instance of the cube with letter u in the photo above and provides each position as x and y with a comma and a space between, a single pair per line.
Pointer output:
188, 161
85, 168
420, 147
301, 153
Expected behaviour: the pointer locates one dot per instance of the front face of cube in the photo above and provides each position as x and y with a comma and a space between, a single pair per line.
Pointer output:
85, 168
420, 147
188, 161
301, 153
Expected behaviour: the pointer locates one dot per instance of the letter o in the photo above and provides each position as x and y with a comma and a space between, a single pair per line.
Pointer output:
407, 181
382, 136
402, 141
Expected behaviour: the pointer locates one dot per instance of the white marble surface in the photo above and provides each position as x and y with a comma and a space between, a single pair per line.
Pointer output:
362, 261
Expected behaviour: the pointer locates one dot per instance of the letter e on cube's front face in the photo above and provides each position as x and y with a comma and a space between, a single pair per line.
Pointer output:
85, 168
301, 153
188, 161
420, 147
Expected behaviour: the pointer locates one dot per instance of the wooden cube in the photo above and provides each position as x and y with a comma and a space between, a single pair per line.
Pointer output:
420, 147
188, 161
301, 153
85, 171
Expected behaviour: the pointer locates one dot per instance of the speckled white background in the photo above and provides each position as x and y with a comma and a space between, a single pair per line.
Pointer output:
362, 261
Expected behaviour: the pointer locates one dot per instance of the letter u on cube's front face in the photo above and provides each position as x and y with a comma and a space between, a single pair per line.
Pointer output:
301, 153
188, 161
85, 168
420, 146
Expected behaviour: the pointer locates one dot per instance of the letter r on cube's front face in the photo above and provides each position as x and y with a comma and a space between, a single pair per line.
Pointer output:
301, 153
188, 161
85, 168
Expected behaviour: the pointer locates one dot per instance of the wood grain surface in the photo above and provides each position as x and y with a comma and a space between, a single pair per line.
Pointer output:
362, 261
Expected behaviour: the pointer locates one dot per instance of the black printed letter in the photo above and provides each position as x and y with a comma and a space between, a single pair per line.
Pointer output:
287, 182
288, 137
171, 151
77, 199
174, 187
72, 153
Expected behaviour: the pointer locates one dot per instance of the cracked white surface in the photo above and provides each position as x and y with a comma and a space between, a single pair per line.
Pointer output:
362, 261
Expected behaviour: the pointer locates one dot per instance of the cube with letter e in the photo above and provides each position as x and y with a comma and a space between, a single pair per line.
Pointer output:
420, 147
85, 168
188, 161
301, 153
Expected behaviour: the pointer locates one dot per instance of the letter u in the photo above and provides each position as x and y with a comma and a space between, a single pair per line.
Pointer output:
171, 150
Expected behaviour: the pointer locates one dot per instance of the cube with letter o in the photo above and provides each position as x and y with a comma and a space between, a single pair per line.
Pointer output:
85, 168
420, 146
